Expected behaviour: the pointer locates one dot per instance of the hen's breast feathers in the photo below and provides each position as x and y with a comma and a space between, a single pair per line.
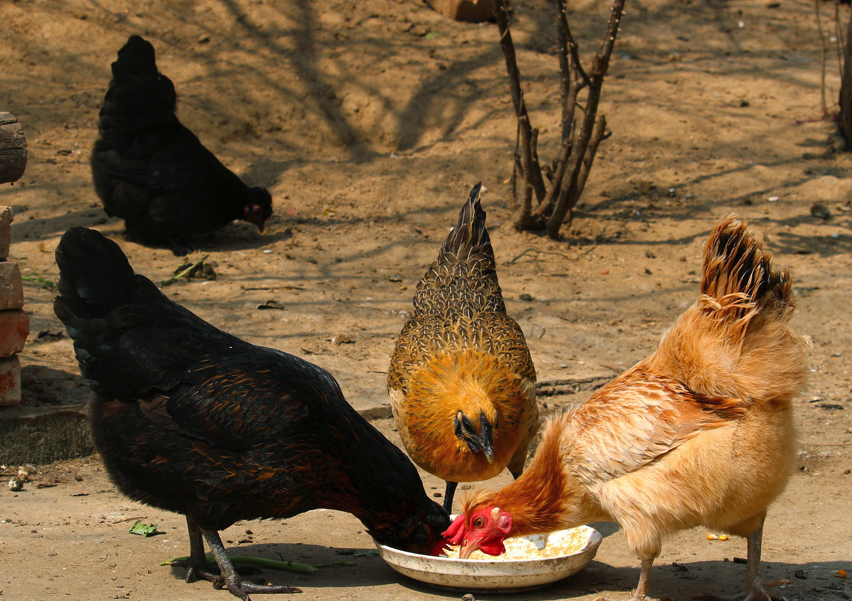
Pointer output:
442, 366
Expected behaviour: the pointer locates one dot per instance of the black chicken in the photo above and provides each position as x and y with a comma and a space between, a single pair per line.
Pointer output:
152, 171
194, 420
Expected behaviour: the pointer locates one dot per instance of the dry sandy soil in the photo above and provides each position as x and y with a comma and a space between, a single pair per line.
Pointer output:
369, 121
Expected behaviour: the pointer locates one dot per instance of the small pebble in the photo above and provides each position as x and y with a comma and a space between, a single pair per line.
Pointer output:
820, 211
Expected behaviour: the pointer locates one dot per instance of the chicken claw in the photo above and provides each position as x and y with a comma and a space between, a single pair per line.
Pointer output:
230, 579
759, 592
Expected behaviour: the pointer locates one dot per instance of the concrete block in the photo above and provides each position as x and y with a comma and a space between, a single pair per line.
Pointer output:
11, 286
10, 380
41, 435
14, 329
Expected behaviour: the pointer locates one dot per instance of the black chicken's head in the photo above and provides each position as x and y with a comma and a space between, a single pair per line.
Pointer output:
417, 532
258, 207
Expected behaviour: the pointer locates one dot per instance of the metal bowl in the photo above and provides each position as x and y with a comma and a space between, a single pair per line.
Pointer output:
495, 574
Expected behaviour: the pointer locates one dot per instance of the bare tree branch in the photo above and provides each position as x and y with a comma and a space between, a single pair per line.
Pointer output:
569, 192
579, 144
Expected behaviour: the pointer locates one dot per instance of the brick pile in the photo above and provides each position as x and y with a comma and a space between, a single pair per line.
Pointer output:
14, 322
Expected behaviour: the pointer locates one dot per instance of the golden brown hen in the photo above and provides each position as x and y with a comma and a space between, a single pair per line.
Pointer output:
699, 433
461, 380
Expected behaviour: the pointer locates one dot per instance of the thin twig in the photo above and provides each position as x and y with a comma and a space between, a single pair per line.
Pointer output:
542, 252
531, 177
821, 60
841, 43
598, 135
572, 47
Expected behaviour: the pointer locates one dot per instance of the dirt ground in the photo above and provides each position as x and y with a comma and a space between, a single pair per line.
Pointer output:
369, 121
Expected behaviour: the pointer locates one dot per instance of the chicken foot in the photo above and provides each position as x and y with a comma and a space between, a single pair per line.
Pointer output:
757, 589
197, 566
640, 594
230, 579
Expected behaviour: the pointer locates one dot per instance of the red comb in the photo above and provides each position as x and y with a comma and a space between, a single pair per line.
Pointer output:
455, 533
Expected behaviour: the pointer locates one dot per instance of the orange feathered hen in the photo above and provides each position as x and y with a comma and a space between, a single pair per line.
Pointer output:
698, 434
461, 380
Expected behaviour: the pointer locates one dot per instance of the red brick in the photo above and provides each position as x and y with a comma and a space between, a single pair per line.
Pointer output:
14, 329
5, 231
10, 380
11, 288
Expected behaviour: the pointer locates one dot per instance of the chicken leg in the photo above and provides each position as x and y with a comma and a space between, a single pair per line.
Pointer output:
196, 563
640, 594
229, 578
757, 589
197, 566
449, 493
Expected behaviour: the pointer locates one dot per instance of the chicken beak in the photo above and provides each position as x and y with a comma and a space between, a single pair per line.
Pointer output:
486, 438
468, 547
486, 443
489, 453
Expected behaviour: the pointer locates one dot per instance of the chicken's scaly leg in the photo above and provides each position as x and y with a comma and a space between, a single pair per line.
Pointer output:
757, 589
197, 558
196, 563
449, 493
644, 575
230, 579
642, 588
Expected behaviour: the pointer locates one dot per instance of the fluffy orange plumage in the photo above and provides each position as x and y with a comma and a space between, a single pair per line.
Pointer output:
699, 433
461, 380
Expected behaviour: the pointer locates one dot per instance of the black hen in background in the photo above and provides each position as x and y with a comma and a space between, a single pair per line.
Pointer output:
152, 171
194, 420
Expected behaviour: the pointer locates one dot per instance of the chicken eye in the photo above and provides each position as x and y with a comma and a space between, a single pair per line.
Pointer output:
478, 523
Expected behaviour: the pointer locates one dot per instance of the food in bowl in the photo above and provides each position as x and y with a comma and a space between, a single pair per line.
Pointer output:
534, 546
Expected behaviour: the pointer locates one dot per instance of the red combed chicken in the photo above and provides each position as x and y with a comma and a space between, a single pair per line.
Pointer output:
698, 434
461, 379
193, 420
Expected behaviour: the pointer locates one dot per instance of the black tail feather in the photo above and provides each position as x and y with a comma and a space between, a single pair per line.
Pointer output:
94, 275
136, 57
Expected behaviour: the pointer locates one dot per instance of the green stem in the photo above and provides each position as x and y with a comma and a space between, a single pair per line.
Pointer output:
271, 564
183, 273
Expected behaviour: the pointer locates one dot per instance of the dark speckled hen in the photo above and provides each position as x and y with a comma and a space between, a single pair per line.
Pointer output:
152, 171
461, 379
194, 420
